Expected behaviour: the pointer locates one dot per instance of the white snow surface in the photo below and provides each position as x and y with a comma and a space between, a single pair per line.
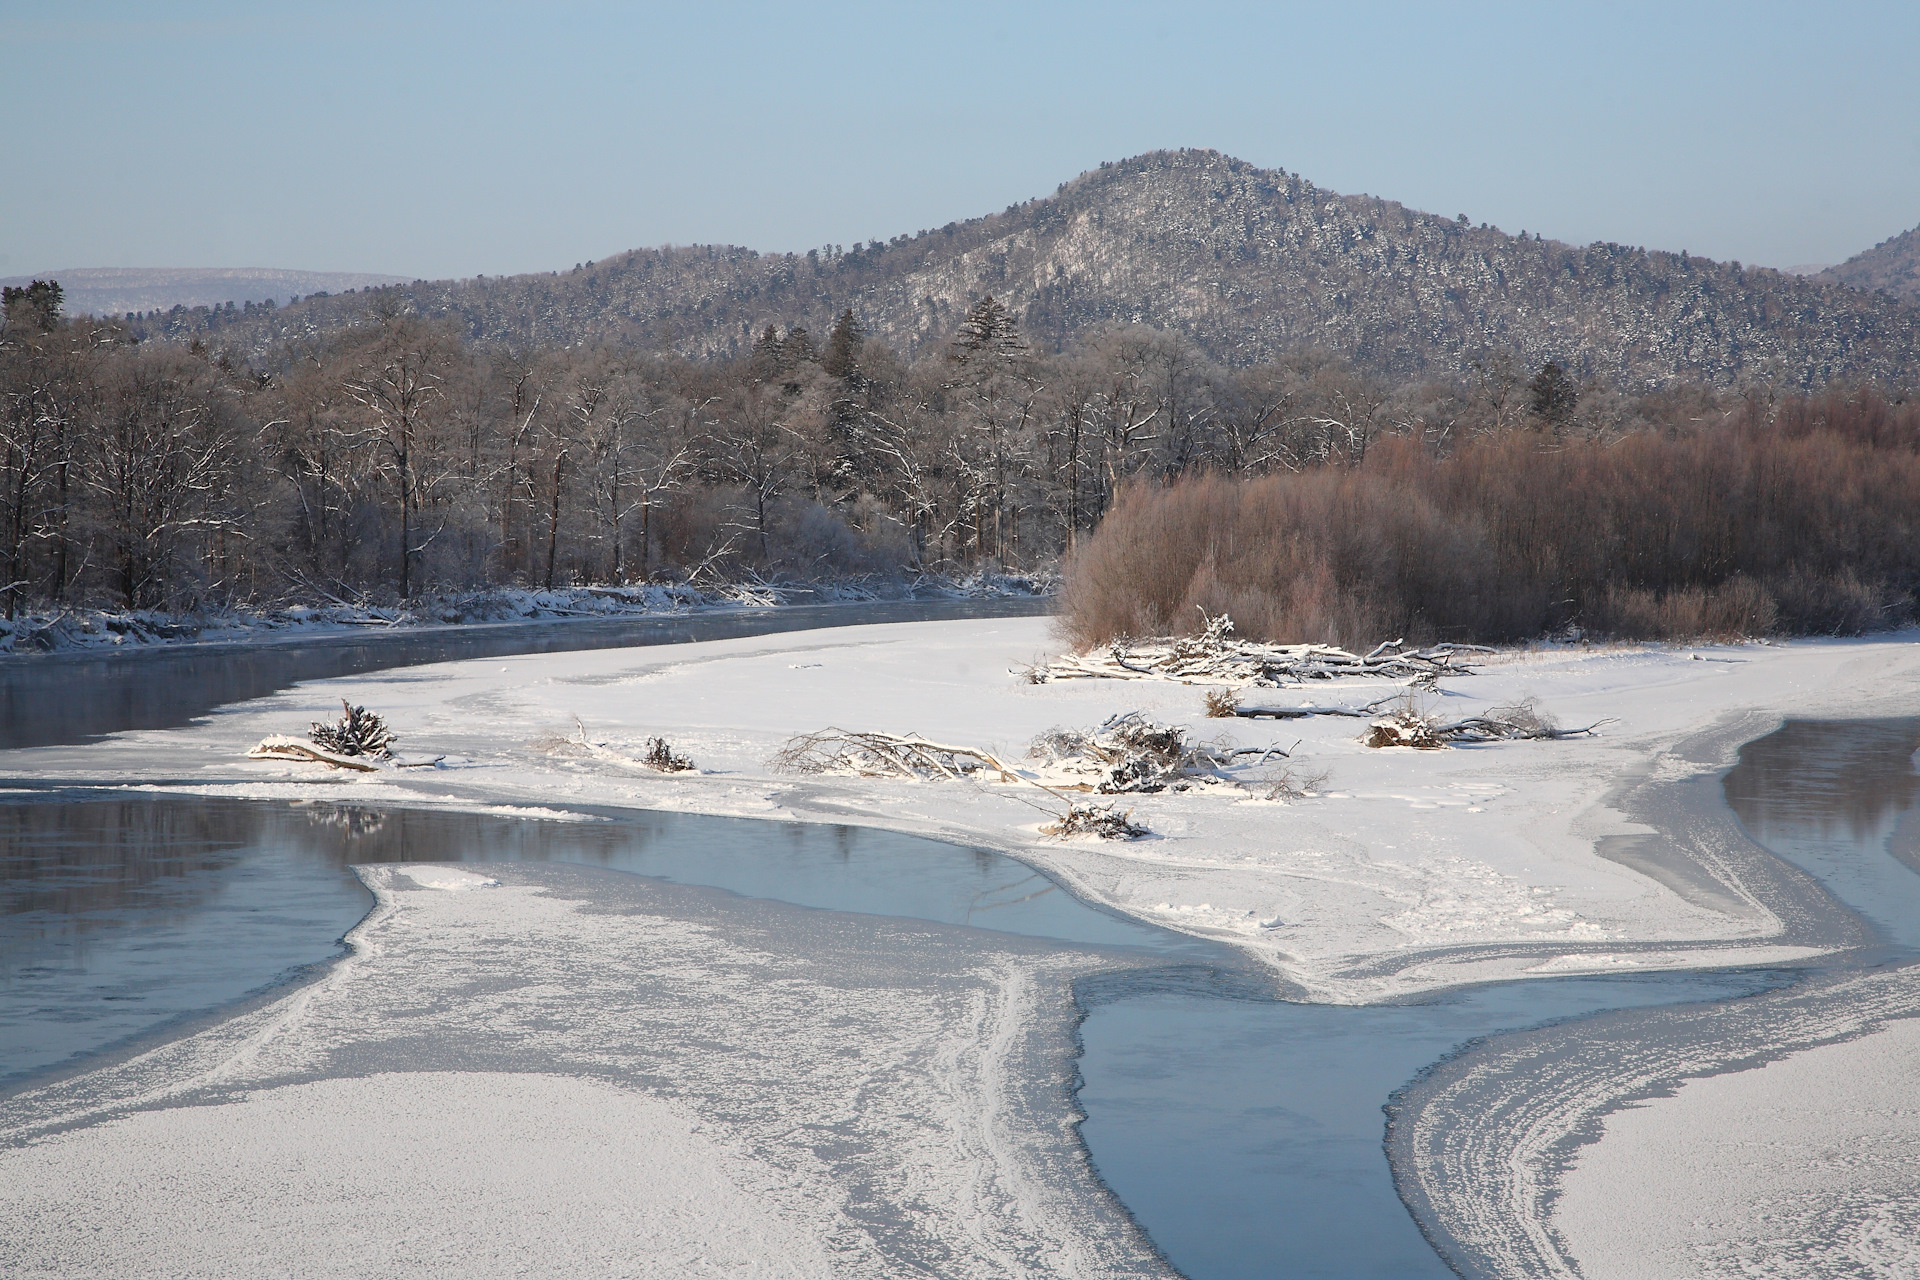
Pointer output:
1806, 1167
399, 1174
1352, 895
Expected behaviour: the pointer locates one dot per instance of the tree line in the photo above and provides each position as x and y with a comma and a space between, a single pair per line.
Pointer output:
394, 457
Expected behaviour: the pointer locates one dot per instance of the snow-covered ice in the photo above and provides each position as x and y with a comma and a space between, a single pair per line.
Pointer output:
1410, 871
555, 1070
1413, 870
1806, 1167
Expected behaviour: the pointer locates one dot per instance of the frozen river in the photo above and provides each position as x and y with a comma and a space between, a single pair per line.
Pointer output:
1245, 1134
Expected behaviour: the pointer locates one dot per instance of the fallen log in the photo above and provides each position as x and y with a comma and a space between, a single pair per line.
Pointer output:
281, 747
1224, 703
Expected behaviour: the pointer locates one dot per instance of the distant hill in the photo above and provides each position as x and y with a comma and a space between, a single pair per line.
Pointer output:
1892, 266
1248, 262
115, 291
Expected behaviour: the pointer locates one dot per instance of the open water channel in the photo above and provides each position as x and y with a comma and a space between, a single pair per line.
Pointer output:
1244, 1132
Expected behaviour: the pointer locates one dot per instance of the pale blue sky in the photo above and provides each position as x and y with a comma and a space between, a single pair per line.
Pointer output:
439, 139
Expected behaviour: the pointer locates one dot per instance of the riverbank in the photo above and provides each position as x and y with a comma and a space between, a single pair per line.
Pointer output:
1408, 871
99, 630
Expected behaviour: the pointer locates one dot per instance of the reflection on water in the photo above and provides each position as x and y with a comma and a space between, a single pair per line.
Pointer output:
1835, 797
120, 915
48, 700
1826, 779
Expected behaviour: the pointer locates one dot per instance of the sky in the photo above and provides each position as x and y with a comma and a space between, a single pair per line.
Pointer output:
447, 139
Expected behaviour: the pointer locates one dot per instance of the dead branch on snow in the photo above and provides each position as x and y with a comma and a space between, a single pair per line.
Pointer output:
1096, 820
884, 755
1410, 726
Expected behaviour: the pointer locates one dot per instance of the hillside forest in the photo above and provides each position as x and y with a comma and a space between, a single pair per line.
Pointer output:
1317, 500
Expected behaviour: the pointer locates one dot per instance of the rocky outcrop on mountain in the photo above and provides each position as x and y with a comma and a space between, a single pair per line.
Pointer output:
1249, 263
1892, 267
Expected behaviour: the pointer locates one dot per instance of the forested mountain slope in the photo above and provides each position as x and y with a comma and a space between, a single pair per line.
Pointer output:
1893, 266
1249, 263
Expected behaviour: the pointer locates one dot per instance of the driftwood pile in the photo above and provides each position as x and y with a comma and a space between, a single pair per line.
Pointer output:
1411, 727
1131, 754
1126, 755
1216, 657
885, 755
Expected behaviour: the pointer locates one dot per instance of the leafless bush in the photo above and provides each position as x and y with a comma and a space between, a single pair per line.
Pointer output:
1103, 821
1221, 704
1733, 610
1737, 528
358, 732
663, 758
1298, 782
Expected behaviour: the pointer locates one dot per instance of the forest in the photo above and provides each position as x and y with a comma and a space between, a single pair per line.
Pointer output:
1315, 499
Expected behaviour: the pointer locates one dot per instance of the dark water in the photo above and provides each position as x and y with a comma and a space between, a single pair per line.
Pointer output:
1247, 1135
49, 699
119, 916
1837, 798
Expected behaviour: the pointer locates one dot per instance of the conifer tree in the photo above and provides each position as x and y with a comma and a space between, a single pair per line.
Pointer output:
842, 358
1551, 394
37, 303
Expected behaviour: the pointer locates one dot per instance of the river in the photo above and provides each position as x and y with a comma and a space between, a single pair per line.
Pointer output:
1244, 1133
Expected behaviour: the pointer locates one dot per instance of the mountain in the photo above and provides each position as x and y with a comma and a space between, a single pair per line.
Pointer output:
1249, 263
115, 291
1892, 266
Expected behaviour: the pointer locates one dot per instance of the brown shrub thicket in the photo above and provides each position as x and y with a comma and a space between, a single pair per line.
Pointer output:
1798, 519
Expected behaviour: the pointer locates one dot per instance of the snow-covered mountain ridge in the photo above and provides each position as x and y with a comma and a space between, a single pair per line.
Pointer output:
1248, 262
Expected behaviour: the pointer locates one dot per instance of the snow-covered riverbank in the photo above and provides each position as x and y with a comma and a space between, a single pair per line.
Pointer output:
91, 630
